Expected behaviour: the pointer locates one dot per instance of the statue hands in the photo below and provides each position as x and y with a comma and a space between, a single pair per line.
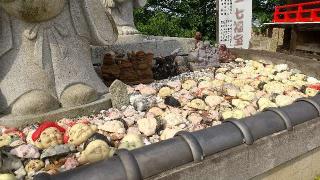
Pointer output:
122, 1
112, 3
108, 3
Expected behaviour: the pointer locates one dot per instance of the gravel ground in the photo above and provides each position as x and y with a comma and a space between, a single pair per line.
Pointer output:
190, 102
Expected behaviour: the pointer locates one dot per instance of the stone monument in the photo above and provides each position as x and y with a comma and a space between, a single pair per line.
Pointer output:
122, 12
45, 58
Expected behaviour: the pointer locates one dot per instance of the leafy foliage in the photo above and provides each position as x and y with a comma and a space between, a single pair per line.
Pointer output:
263, 12
182, 18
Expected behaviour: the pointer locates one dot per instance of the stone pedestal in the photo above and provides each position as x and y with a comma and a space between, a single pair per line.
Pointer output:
158, 45
72, 112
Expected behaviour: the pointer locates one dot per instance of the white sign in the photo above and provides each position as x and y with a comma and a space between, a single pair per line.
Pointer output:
235, 23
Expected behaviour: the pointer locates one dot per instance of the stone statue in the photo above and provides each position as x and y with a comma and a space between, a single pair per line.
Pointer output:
122, 13
45, 57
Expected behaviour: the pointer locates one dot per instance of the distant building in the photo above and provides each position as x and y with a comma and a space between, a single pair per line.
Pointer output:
301, 24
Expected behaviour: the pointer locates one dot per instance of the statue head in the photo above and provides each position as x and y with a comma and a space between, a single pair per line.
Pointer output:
33, 11
48, 134
96, 150
198, 36
79, 133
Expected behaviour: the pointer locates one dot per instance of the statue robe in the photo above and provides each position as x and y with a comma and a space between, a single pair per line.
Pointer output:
54, 54
123, 12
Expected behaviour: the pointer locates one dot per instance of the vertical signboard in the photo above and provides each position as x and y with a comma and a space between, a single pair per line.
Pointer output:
235, 23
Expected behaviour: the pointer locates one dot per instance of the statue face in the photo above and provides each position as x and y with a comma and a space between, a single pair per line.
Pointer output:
5, 140
95, 151
33, 10
49, 137
34, 166
79, 133
131, 141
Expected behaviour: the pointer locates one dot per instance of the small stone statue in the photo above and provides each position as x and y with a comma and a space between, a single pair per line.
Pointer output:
79, 133
198, 38
45, 58
96, 150
204, 56
48, 134
122, 12
225, 55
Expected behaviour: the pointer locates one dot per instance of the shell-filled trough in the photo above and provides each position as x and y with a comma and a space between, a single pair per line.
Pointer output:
254, 118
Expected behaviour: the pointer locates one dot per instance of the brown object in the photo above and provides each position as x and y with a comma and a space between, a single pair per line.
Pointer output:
140, 55
198, 38
229, 98
148, 58
225, 55
109, 58
135, 69
124, 63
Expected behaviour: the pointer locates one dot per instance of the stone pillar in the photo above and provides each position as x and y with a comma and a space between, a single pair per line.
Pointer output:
276, 39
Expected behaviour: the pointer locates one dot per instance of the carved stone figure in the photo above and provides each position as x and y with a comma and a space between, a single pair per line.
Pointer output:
122, 12
45, 58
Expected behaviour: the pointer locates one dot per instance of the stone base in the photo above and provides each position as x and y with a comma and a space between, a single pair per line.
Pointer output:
199, 67
158, 45
73, 112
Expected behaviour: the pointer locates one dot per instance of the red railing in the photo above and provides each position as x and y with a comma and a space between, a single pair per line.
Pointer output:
302, 12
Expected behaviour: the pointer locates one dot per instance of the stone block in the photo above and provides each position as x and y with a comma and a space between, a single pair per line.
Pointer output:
119, 94
158, 45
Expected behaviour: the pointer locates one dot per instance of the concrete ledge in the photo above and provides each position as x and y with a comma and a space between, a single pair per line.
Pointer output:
73, 112
246, 162
160, 46
305, 167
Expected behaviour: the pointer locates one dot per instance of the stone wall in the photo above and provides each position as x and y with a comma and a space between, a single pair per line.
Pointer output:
271, 41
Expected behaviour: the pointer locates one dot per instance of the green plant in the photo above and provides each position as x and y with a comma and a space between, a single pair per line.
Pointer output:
177, 18
183, 18
262, 12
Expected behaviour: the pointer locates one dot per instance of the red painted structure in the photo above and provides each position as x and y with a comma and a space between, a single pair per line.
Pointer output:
302, 12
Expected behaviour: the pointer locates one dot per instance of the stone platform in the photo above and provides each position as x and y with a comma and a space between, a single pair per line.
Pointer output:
160, 46
73, 112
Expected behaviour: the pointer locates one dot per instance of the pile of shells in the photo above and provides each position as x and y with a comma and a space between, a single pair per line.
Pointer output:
190, 101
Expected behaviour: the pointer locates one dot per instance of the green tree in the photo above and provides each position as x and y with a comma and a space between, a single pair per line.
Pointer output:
180, 18
262, 12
